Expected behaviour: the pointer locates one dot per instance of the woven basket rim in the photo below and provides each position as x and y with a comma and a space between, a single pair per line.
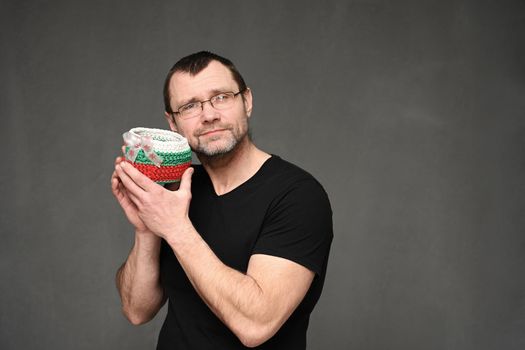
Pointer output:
170, 135
163, 140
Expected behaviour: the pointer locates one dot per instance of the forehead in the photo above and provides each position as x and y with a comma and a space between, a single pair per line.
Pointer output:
215, 77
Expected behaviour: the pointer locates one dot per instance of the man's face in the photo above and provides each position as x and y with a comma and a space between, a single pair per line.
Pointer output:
213, 132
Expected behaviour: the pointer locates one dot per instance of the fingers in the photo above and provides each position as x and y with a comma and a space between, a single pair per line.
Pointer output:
121, 193
185, 181
118, 189
118, 160
128, 196
123, 171
139, 178
115, 181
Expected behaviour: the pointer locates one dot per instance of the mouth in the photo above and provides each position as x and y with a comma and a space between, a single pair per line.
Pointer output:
212, 132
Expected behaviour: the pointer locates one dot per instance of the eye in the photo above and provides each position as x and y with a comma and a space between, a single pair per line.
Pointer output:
221, 98
188, 107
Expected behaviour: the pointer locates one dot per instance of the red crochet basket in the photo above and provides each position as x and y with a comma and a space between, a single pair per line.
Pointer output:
162, 155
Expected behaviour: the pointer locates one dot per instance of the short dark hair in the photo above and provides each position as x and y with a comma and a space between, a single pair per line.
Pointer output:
194, 64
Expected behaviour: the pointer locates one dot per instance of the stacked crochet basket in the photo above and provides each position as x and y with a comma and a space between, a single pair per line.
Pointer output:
161, 155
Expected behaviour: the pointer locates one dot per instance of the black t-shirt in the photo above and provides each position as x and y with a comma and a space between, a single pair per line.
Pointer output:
280, 211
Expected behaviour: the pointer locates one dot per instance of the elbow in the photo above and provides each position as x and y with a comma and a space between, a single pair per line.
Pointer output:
136, 318
255, 334
136, 321
140, 314
252, 343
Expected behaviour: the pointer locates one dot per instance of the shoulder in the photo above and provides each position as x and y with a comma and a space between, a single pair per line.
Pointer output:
298, 221
292, 177
293, 189
277, 165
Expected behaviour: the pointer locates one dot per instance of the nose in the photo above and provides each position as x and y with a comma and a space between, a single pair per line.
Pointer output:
209, 113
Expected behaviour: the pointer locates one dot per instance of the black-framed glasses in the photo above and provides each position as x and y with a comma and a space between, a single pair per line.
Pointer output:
224, 100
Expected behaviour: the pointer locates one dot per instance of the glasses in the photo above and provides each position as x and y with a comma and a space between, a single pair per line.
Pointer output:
224, 100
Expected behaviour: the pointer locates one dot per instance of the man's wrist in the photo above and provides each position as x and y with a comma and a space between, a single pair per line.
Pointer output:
145, 232
182, 235
147, 241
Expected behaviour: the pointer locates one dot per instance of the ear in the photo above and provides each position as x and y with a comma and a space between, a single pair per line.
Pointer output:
248, 98
171, 121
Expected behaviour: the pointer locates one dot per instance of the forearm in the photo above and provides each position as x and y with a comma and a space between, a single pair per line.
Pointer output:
138, 280
234, 297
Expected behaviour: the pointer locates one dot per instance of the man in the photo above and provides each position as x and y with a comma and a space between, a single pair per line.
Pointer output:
240, 249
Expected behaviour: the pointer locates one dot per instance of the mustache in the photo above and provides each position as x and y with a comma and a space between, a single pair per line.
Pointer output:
204, 130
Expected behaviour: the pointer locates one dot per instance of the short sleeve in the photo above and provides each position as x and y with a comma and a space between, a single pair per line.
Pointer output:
298, 226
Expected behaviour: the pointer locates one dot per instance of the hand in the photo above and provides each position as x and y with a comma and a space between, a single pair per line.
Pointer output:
162, 211
122, 196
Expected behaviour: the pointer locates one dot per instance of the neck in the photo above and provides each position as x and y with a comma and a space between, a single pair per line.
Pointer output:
228, 171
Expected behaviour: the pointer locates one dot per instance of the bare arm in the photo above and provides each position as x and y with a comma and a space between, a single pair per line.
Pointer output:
253, 305
137, 279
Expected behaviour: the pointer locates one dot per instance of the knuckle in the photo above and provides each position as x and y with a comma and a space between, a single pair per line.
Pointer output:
186, 195
145, 200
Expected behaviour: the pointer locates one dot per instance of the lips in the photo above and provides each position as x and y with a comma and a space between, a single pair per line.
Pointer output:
210, 132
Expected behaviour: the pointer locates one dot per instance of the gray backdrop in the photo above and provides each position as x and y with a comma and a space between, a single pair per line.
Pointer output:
411, 113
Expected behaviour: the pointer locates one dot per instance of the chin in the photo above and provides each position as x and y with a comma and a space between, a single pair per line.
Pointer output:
220, 146
217, 150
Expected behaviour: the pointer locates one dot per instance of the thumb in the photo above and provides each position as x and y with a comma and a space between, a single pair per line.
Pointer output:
185, 181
